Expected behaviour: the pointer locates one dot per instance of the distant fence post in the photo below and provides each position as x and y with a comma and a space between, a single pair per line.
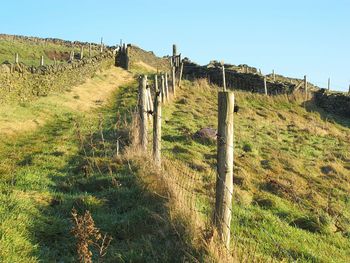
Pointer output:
329, 84
42, 61
167, 95
173, 78
305, 87
273, 75
223, 76
143, 112
224, 180
81, 52
162, 89
157, 127
101, 48
265, 85
181, 71
16, 58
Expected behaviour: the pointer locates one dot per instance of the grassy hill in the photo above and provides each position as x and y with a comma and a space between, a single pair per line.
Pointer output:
291, 175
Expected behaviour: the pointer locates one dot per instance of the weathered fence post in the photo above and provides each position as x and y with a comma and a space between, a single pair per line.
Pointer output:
329, 84
224, 180
273, 75
149, 102
16, 58
305, 87
181, 71
265, 85
143, 112
167, 95
173, 78
71, 58
42, 61
157, 128
162, 90
81, 52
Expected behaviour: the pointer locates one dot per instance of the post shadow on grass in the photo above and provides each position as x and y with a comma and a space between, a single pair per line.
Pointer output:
136, 219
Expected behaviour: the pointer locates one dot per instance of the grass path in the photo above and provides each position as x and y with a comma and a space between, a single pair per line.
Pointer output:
47, 171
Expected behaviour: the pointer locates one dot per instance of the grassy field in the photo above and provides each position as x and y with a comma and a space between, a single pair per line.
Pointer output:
30, 52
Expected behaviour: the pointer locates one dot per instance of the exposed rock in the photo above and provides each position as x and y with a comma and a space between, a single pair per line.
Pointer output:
206, 134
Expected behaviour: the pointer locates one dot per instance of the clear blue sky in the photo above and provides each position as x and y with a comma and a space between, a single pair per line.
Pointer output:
294, 37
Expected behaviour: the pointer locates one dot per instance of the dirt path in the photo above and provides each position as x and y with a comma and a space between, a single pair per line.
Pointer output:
93, 93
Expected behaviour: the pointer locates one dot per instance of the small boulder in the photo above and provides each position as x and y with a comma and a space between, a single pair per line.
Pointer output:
206, 134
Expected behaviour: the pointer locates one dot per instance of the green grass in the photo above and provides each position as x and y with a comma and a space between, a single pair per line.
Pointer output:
30, 52
43, 176
291, 172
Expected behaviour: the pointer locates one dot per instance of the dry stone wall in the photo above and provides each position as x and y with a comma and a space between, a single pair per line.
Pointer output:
336, 103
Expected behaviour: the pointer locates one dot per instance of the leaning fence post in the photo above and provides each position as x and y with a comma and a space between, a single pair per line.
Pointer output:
265, 85
173, 78
224, 180
143, 112
157, 129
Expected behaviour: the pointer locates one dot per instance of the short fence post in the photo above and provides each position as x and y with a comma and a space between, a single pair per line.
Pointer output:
16, 58
265, 85
42, 61
224, 180
101, 48
167, 95
181, 71
157, 129
143, 112
173, 81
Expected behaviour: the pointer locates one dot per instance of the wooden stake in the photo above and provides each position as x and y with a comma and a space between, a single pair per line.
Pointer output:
224, 180
149, 103
157, 129
173, 81
16, 58
265, 85
42, 61
101, 50
181, 71
143, 112
162, 91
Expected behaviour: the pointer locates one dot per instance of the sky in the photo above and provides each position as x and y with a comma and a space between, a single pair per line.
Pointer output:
292, 37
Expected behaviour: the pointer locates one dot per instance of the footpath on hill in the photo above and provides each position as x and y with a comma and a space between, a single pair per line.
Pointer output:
59, 153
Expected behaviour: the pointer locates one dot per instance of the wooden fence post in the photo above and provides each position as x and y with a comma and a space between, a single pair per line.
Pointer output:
101, 48
149, 102
143, 112
42, 61
305, 87
157, 128
16, 58
223, 77
173, 81
181, 71
273, 75
71, 58
265, 85
329, 84
167, 95
162, 90
81, 52
224, 180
